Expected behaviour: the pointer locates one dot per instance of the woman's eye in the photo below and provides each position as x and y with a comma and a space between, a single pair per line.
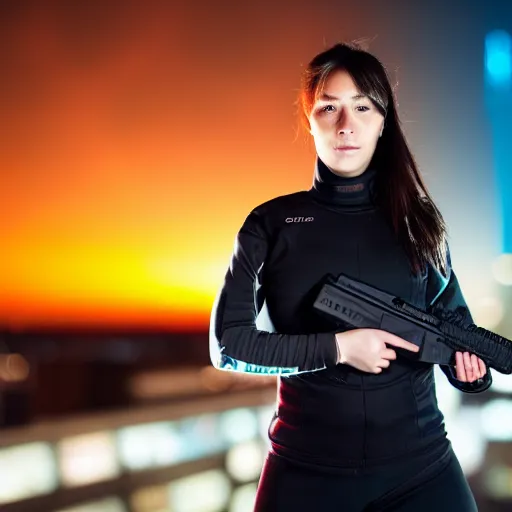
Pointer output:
327, 108
363, 108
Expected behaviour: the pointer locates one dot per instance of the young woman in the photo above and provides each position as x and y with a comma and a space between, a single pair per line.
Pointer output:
357, 426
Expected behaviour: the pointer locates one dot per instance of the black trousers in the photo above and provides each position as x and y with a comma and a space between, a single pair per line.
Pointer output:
417, 485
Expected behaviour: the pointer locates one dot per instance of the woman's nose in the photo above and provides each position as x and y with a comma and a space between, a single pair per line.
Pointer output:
345, 130
344, 123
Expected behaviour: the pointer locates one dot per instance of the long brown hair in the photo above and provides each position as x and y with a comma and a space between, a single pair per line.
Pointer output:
400, 190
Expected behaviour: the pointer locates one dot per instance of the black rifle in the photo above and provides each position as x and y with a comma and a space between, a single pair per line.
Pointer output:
349, 302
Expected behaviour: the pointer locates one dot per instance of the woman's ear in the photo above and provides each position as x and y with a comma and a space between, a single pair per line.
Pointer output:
381, 130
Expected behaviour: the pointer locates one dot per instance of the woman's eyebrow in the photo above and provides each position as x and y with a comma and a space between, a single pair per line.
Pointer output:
328, 97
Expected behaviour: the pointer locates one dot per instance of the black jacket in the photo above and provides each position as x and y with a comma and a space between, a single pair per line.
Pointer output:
263, 322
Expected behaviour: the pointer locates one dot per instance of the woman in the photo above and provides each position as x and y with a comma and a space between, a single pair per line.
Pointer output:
357, 426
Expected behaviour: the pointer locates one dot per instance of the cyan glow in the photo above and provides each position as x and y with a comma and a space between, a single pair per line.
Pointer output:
498, 100
442, 289
229, 363
498, 58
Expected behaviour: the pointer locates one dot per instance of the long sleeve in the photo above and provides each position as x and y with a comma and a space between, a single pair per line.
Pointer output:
235, 341
446, 292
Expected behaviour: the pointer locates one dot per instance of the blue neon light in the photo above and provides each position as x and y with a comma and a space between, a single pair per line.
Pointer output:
498, 58
498, 100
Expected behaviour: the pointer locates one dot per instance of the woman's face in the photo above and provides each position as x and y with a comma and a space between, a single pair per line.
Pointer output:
345, 126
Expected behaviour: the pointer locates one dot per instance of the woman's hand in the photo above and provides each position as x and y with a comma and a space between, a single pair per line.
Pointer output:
366, 349
469, 367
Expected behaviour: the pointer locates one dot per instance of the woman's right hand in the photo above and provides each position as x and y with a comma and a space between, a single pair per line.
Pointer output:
366, 350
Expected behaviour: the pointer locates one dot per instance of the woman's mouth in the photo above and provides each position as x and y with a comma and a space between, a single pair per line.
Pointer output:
346, 149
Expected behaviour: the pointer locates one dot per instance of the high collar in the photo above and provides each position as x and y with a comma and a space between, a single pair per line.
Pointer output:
355, 193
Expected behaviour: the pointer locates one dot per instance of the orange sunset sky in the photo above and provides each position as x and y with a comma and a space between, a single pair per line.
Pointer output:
136, 142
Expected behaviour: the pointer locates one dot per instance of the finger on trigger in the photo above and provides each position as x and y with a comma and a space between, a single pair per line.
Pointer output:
400, 342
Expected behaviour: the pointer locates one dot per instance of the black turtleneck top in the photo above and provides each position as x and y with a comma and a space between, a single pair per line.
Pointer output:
328, 415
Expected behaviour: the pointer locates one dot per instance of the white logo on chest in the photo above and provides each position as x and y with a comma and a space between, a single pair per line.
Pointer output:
289, 220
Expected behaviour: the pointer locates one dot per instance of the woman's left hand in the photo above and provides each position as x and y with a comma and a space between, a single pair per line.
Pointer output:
469, 367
